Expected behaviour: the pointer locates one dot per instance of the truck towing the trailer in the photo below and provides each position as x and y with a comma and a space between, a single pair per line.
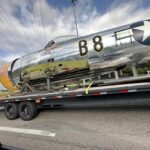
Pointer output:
56, 74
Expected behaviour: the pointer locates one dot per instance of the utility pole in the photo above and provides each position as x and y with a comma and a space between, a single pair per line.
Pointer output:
74, 11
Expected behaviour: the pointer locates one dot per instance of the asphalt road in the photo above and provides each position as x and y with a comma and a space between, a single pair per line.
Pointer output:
82, 128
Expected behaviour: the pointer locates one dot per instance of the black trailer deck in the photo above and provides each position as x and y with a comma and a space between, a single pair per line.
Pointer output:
133, 94
82, 92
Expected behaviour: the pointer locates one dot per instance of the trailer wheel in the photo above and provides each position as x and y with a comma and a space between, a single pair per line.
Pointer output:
11, 111
27, 110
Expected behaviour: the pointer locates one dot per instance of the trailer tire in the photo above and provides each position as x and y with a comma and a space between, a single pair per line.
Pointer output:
27, 110
11, 111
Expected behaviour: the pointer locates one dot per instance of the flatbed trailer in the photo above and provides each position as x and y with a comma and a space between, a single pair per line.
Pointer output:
27, 106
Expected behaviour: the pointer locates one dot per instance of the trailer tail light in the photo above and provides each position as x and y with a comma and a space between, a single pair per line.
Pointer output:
38, 100
97, 94
124, 91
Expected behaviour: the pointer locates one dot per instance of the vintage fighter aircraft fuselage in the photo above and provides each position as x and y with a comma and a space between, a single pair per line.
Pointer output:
68, 57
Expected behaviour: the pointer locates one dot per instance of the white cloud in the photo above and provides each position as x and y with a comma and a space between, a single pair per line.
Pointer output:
31, 32
117, 15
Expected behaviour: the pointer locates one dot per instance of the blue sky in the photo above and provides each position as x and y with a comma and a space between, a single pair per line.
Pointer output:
101, 5
28, 25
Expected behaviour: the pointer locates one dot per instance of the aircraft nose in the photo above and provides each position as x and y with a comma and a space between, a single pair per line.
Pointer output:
4, 78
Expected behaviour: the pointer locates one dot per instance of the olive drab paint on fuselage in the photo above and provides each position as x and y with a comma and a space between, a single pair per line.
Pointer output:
107, 50
52, 68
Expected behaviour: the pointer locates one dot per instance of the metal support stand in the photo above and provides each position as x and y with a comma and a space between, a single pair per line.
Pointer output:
116, 75
121, 73
109, 75
99, 77
135, 74
27, 88
49, 84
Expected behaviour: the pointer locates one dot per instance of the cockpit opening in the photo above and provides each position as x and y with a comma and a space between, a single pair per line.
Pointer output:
60, 39
50, 44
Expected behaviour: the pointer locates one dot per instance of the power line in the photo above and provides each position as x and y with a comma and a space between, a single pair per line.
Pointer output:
9, 41
33, 20
74, 12
10, 23
42, 20
40, 23
7, 25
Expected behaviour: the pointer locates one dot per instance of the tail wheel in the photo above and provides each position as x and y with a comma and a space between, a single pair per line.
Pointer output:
11, 111
27, 110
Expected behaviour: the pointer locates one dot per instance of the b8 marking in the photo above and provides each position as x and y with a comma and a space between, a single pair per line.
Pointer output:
97, 45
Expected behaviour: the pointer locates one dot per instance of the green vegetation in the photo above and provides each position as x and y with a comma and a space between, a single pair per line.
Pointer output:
127, 71
141, 70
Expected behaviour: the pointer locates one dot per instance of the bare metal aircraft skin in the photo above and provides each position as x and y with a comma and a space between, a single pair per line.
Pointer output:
108, 50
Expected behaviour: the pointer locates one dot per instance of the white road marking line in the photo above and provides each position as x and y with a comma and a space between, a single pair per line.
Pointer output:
1, 108
28, 131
